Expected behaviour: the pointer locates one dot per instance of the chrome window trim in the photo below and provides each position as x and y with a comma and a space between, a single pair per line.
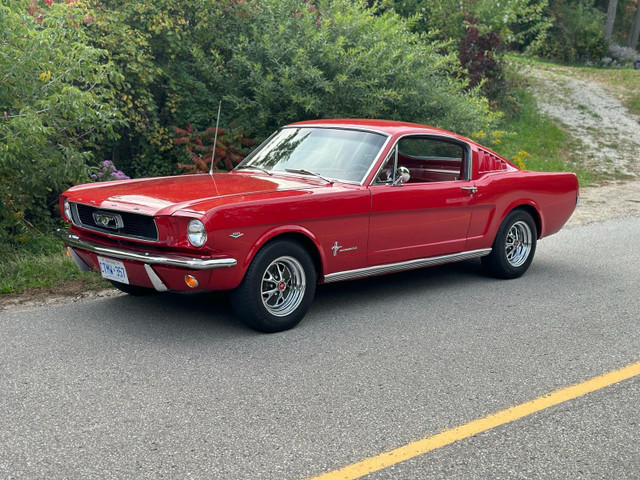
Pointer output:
402, 266
76, 221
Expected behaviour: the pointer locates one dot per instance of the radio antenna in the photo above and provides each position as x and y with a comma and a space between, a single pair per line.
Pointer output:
215, 139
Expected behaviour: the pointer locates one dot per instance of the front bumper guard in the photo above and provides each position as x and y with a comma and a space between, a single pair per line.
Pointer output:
74, 241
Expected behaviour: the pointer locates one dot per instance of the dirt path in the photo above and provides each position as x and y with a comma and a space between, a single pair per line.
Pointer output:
609, 137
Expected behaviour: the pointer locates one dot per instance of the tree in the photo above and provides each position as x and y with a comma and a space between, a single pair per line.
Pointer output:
634, 34
611, 18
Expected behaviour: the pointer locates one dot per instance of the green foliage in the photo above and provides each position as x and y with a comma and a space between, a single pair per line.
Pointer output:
41, 263
54, 105
293, 61
577, 34
231, 148
478, 31
167, 76
514, 21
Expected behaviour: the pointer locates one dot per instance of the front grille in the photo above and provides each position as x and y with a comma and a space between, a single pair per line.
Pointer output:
133, 225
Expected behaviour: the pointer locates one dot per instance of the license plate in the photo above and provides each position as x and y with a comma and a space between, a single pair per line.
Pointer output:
113, 270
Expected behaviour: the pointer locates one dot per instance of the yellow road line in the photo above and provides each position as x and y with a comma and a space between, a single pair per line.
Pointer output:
446, 437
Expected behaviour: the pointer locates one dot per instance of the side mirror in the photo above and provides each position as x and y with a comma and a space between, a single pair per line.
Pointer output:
402, 176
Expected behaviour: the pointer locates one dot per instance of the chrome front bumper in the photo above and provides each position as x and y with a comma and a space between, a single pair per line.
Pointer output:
74, 241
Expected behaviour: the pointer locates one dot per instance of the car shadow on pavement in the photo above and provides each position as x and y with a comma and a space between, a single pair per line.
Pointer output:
209, 313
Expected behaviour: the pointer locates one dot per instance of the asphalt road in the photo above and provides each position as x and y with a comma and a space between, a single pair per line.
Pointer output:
173, 387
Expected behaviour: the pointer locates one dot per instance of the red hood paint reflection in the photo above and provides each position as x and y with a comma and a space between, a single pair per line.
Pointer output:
166, 195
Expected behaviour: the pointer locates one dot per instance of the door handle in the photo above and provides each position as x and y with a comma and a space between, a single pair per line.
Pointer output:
471, 190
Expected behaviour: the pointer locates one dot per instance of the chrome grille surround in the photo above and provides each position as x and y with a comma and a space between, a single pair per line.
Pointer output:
130, 225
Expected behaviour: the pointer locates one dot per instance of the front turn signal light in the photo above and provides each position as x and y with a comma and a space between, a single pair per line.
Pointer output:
191, 281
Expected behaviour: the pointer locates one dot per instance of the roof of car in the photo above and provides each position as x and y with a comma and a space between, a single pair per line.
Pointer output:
390, 127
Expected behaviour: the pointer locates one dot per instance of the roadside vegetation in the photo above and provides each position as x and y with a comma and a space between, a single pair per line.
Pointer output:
42, 264
93, 91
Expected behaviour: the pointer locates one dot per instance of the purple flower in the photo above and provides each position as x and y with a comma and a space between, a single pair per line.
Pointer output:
108, 171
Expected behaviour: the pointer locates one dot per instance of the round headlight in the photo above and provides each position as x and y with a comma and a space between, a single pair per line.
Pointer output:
196, 233
67, 210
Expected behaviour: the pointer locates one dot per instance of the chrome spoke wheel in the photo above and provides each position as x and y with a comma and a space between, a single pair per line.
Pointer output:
518, 243
283, 286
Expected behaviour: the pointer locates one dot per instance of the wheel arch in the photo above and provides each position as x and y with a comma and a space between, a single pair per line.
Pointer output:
528, 206
535, 214
298, 234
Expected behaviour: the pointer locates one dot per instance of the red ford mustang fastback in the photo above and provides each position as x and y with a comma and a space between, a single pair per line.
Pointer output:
317, 202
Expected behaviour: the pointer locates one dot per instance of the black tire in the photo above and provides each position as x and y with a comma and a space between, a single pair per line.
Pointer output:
514, 246
277, 289
133, 290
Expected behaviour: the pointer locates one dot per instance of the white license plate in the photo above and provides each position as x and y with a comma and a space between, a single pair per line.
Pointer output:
113, 270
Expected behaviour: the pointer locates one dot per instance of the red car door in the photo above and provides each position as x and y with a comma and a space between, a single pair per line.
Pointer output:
427, 216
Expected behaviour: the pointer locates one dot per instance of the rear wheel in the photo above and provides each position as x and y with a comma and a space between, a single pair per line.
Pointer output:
514, 246
277, 289
134, 290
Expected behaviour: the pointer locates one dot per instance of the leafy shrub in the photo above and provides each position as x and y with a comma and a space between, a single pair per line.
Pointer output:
577, 34
478, 31
270, 62
55, 93
477, 53
231, 148
620, 55
293, 60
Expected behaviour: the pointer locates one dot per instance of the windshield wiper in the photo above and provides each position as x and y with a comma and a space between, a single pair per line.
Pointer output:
304, 171
264, 170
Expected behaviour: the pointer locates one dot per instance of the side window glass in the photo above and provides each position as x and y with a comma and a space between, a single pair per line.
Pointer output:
431, 160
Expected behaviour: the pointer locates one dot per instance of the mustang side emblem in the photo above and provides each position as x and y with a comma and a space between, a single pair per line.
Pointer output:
112, 221
338, 249
236, 234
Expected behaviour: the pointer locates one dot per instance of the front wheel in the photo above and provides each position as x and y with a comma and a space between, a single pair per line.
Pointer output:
514, 246
277, 289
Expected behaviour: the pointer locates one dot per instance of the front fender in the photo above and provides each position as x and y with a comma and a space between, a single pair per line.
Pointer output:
280, 231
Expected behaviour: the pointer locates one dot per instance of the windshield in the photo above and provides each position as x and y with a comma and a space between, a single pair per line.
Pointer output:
339, 154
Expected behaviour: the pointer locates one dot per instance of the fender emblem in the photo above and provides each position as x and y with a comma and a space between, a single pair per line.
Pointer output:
338, 249
236, 234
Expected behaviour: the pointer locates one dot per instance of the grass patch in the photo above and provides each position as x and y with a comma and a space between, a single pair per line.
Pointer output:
550, 148
633, 104
41, 262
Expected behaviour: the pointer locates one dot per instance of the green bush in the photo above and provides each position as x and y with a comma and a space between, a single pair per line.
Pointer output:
577, 34
168, 75
55, 94
271, 62
295, 60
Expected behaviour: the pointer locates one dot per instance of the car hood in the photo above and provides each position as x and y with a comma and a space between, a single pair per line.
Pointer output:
196, 193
